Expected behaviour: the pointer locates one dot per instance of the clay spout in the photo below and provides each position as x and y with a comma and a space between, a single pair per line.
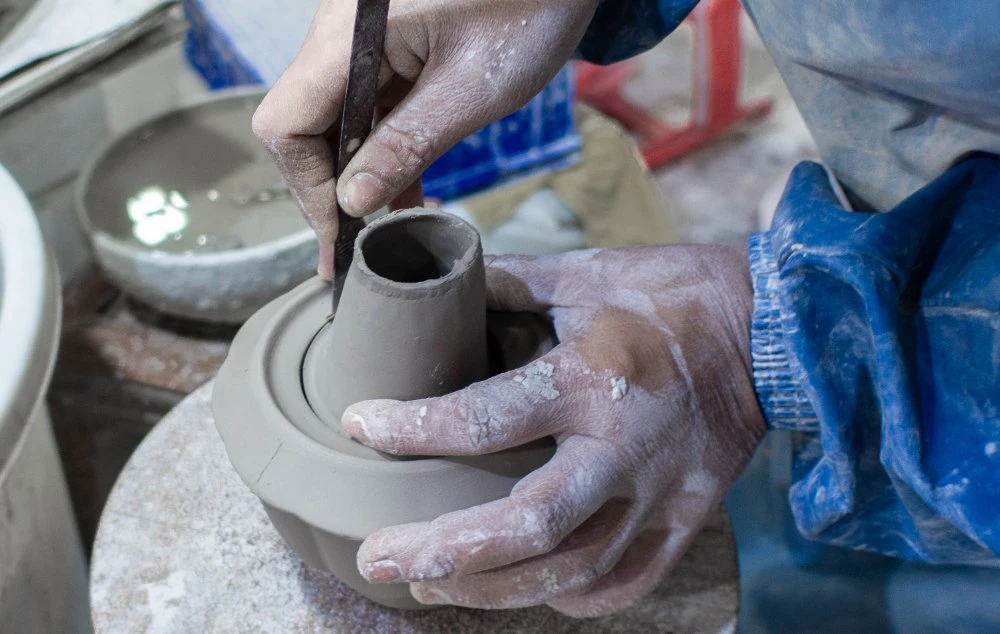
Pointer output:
412, 319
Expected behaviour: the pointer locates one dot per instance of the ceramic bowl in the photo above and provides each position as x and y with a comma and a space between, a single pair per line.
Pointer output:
188, 214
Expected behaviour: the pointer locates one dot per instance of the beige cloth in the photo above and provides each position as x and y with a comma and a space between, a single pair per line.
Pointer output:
609, 189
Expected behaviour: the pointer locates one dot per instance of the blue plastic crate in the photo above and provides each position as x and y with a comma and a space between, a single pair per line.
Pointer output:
245, 42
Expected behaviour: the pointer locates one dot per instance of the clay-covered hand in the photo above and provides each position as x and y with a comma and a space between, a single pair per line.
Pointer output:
449, 67
650, 399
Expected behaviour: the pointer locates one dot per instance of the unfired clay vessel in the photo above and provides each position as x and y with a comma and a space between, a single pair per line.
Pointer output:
412, 323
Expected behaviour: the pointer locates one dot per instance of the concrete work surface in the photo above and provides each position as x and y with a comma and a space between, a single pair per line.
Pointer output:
184, 546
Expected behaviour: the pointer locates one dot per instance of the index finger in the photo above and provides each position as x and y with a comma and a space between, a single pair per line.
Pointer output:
295, 121
505, 411
292, 123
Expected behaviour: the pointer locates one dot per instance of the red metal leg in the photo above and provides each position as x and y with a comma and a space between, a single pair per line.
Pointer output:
717, 75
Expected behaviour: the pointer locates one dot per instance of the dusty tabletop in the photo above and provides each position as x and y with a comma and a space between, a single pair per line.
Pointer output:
183, 546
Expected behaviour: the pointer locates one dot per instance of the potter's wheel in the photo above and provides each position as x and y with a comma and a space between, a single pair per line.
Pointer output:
184, 546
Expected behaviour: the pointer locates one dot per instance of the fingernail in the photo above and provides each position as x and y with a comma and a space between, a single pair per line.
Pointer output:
355, 426
385, 571
362, 194
429, 595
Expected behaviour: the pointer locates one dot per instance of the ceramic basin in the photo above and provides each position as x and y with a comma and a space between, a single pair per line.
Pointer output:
189, 215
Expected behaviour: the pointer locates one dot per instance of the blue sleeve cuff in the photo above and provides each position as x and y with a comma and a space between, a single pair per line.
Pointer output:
779, 391
623, 28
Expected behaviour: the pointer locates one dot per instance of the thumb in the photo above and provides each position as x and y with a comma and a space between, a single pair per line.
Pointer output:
444, 107
295, 121
482, 61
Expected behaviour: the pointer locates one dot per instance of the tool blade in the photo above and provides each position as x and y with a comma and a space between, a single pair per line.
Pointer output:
356, 119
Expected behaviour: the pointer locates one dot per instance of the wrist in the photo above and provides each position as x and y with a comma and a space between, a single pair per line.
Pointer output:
730, 271
776, 374
732, 295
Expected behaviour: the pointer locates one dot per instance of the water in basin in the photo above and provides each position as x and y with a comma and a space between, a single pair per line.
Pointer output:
193, 181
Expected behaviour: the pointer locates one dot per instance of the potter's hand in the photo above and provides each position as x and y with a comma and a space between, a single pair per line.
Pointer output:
449, 68
650, 398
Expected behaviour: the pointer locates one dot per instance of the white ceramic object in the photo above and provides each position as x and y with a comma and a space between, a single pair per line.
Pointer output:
42, 572
205, 151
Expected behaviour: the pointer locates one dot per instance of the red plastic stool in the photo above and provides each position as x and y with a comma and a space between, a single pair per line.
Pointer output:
716, 60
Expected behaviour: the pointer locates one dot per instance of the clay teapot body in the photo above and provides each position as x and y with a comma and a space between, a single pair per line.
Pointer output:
412, 323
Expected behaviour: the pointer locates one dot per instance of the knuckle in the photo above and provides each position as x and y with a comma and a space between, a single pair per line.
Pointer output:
402, 430
547, 526
392, 448
481, 426
546, 540
264, 128
441, 566
412, 150
392, 442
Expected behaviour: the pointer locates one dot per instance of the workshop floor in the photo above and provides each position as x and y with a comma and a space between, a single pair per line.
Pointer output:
712, 195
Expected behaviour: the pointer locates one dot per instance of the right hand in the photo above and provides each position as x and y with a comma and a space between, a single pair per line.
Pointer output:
449, 67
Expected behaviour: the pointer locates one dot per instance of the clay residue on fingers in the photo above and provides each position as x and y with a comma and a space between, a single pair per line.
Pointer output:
536, 378
619, 388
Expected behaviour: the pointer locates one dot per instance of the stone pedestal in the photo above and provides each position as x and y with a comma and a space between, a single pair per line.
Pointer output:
184, 546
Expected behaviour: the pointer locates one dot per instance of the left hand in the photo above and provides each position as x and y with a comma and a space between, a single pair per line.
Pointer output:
650, 399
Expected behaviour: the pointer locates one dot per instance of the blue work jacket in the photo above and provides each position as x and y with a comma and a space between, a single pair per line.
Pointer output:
876, 326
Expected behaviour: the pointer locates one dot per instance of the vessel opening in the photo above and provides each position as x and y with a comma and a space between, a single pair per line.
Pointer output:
412, 249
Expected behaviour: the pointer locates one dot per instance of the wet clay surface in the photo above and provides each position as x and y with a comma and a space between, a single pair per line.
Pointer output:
184, 546
412, 319
411, 324
195, 180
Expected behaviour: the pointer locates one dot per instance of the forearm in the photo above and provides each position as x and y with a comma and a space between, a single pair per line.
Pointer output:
880, 332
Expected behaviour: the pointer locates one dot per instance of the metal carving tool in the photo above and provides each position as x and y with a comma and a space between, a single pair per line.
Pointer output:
356, 120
